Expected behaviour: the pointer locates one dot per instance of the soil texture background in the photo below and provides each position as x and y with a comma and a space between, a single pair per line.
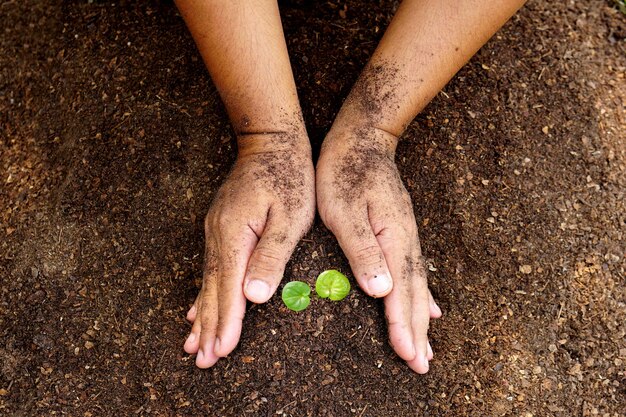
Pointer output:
113, 141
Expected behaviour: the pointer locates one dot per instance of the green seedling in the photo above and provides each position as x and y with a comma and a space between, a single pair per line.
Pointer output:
332, 284
329, 284
296, 295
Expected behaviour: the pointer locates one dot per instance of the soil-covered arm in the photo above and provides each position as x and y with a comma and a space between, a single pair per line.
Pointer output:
426, 43
244, 49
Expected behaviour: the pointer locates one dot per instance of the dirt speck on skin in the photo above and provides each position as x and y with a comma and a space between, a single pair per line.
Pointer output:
356, 169
245, 122
375, 90
108, 117
367, 161
269, 159
409, 269
279, 166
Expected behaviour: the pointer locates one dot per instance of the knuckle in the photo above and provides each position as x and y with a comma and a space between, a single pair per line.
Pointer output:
205, 326
404, 230
420, 283
226, 291
206, 316
267, 260
223, 221
217, 220
268, 254
420, 328
368, 255
338, 216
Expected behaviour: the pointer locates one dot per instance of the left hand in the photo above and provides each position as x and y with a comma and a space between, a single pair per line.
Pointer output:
258, 216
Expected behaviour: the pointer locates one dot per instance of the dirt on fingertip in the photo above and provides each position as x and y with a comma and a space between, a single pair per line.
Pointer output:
113, 142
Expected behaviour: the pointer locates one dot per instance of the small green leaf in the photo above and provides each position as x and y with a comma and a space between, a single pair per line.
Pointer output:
332, 284
296, 295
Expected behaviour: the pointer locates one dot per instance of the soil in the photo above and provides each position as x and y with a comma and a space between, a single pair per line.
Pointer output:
113, 141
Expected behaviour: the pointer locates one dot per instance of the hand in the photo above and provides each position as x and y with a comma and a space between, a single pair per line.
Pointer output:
258, 216
362, 200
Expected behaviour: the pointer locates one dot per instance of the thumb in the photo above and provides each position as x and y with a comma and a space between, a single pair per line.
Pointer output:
267, 262
359, 244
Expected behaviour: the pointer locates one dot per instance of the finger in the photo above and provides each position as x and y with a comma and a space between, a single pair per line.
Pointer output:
193, 340
235, 250
267, 263
193, 311
192, 343
367, 261
419, 325
407, 310
398, 315
202, 337
208, 326
435, 311
408, 306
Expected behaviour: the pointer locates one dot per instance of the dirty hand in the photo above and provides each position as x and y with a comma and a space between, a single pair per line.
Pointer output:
258, 216
362, 200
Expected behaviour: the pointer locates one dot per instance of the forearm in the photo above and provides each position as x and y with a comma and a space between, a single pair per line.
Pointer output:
243, 47
427, 42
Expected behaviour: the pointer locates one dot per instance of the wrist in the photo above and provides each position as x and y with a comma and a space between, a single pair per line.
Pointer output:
376, 99
354, 133
292, 141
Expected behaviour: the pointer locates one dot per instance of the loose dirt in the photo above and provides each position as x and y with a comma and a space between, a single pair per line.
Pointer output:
113, 141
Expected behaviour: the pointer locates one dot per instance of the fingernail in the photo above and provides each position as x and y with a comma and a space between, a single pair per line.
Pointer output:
430, 350
437, 309
192, 310
191, 338
216, 347
199, 355
379, 284
257, 289
425, 362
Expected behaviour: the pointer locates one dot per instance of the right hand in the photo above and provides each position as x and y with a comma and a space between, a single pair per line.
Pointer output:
259, 214
363, 202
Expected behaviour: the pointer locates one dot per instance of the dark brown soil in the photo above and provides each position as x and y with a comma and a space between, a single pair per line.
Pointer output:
113, 141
